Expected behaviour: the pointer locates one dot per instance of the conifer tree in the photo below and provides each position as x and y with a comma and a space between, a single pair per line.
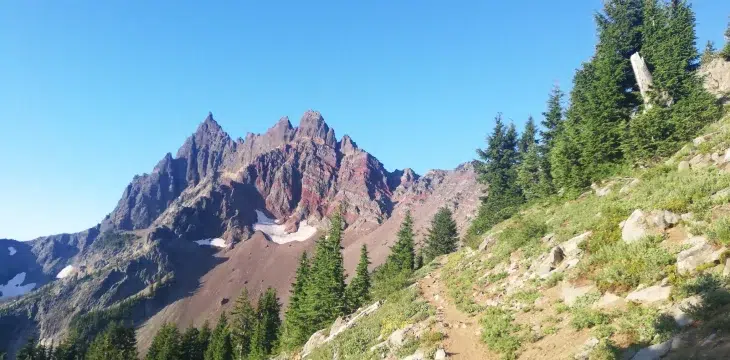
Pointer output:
117, 342
709, 53
553, 119
28, 351
204, 337
166, 345
296, 325
403, 252
529, 136
532, 177
192, 346
497, 168
220, 347
325, 288
358, 291
243, 324
266, 334
442, 237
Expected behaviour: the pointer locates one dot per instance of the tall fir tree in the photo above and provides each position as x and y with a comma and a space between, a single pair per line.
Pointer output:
266, 334
28, 351
219, 346
553, 119
117, 342
325, 289
166, 345
442, 237
528, 137
566, 167
204, 337
358, 290
532, 175
497, 168
709, 53
191, 344
296, 323
243, 325
403, 252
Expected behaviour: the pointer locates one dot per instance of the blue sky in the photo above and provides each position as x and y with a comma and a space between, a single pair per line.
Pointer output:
94, 92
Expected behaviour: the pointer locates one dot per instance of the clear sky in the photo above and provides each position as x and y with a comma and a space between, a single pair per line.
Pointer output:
94, 92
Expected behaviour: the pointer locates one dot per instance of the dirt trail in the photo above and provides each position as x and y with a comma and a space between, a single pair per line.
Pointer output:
462, 340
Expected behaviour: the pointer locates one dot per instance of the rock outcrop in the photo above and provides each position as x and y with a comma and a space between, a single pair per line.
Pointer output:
716, 76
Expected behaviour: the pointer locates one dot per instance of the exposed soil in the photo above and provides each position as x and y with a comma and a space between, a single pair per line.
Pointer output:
462, 339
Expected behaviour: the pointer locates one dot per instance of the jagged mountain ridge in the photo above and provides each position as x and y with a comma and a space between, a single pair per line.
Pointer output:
294, 173
213, 187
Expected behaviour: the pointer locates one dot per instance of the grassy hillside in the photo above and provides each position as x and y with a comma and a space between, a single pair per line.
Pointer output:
591, 301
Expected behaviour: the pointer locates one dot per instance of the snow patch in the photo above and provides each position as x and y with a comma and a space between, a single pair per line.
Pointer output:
65, 272
14, 287
217, 242
277, 232
12, 250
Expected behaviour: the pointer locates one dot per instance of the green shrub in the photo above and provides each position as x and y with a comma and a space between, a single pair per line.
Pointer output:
524, 233
500, 333
719, 232
621, 266
643, 325
399, 309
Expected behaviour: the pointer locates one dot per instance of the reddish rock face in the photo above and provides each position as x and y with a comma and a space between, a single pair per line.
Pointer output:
214, 184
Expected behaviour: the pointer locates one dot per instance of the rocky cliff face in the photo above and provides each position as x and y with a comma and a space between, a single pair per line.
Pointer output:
217, 187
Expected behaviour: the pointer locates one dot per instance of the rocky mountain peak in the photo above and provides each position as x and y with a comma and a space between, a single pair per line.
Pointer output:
312, 125
347, 145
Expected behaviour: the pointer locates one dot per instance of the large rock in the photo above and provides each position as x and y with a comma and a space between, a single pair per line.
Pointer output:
571, 248
650, 294
570, 293
609, 301
654, 352
316, 340
553, 259
584, 352
700, 252
340, 325
716, 76
640, 225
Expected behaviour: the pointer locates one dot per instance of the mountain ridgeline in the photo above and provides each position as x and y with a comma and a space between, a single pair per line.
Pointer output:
258, 197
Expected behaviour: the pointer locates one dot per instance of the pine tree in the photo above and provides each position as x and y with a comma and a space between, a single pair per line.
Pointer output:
442, 237
115, 343
266, 334
325, 289
566, 167
204, 338
529, 136
28, 351
532, 177
497, 168
219, 347
296, 323
71, 348
709, 53
243, 324
166, 344
192, 346
552, 124
402, 253
358, 291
